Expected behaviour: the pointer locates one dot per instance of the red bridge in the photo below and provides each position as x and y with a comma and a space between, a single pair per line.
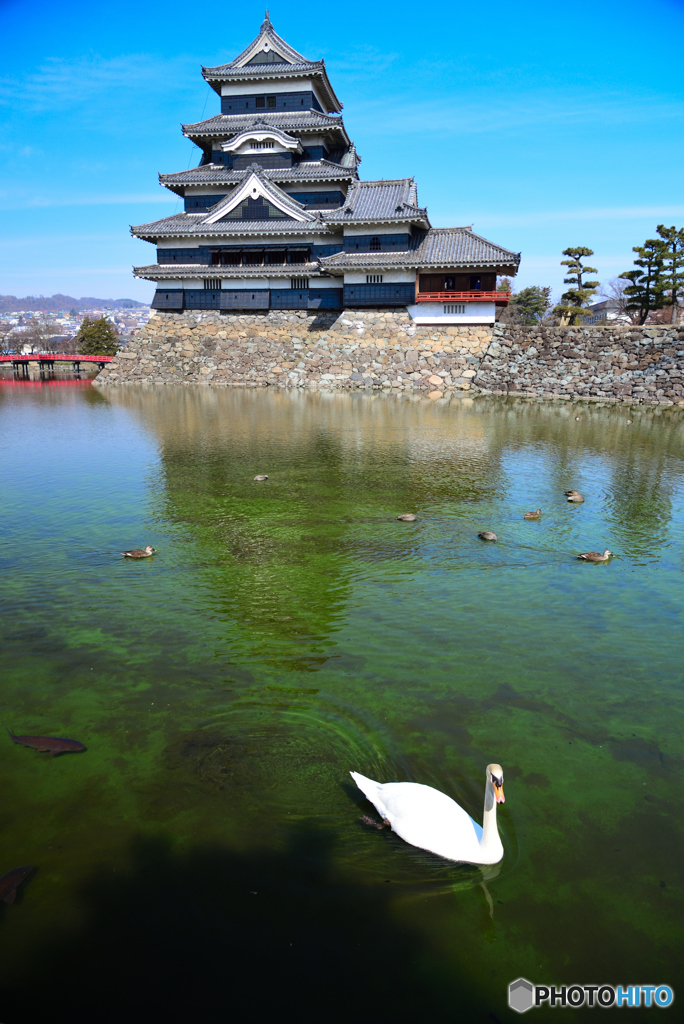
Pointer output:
47, 360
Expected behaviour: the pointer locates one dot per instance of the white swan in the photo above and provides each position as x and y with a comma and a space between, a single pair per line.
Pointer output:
424, 817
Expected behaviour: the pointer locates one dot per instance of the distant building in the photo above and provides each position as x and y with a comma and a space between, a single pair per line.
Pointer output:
277, 218
607, 309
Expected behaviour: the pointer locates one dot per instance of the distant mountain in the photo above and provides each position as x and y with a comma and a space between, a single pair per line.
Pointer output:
54, 303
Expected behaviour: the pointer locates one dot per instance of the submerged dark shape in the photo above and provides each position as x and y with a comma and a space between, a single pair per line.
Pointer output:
10, 881
48, 744
366, 820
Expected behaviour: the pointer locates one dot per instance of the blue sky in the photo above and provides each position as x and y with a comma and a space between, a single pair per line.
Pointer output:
539, 128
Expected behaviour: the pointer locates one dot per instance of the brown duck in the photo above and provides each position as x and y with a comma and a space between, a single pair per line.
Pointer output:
139, 552
407, 517
596, 556
574, 496
487, 535
533, 515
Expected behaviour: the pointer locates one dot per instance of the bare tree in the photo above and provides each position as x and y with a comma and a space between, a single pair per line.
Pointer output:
39, 335
614, 292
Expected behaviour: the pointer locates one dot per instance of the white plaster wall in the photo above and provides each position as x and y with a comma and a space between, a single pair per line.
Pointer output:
388, 276
433, 313
399, 228
270, 87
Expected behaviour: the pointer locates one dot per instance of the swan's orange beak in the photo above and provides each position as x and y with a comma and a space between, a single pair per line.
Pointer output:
499, 794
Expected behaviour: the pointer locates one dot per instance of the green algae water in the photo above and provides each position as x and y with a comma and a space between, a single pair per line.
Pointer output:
205, 859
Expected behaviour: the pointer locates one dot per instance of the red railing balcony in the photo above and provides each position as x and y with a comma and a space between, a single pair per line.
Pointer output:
500, 298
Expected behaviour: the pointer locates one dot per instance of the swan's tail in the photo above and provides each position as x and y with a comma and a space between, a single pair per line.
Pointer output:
370, 789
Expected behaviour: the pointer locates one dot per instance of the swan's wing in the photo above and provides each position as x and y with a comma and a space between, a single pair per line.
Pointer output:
424, 817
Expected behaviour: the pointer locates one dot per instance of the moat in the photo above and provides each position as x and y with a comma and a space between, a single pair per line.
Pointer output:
204, 858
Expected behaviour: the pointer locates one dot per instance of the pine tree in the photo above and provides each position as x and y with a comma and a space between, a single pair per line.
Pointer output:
646, 288
97, 338
531, 304
574, 302
673, 264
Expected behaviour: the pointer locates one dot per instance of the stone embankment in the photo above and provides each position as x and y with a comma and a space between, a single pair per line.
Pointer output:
631, 364
384, 349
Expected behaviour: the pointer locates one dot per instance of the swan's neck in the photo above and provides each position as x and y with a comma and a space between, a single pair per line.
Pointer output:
490, 833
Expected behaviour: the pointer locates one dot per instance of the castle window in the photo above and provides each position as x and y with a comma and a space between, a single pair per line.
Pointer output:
270, 101
212, 284
373, 278
375, 244
266, 144
299, 283
454, 307
261, 101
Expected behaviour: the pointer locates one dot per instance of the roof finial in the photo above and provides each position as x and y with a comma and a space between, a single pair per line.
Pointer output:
267, 20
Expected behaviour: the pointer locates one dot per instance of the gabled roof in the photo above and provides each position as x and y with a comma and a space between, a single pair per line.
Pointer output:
269, 56
268, 39
254, 186
314, 171
225, 125
439, 247
260, 131
373, 201
448, 246
191, 225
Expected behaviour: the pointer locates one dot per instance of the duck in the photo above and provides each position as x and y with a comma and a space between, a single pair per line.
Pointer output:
487, 535
407, 517
533, 515
139, 552
431, 820
596, 556
574, 496
259, 479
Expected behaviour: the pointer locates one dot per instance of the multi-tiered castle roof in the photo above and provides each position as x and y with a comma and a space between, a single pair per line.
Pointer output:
276, 216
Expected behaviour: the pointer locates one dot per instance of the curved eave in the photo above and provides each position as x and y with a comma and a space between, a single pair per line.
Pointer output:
179, 187
209, 231
416, 264
163, 272
216, 77
376, 222
196, 131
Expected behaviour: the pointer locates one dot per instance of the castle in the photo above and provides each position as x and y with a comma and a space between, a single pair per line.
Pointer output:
276, 216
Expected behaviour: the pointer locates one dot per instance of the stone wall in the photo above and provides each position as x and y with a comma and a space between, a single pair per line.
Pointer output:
631, 364
385, 349
378, 348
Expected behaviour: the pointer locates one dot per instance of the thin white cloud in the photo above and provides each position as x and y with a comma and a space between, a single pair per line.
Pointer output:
51, 272
600, 213
41, 202
495, 114
59, 84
